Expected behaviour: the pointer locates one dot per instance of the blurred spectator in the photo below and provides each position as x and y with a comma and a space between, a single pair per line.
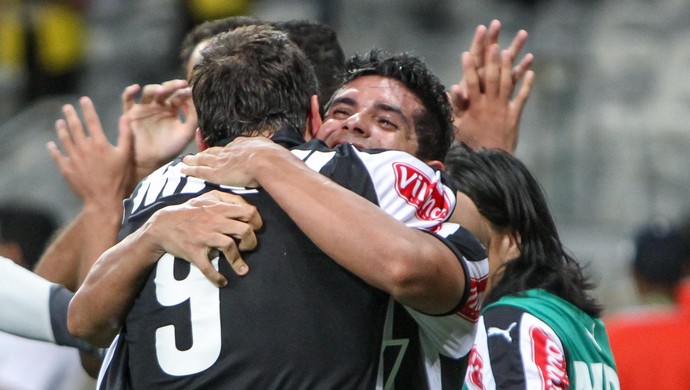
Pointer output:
24, 363
650, 344
660, 262
43, 49
24, 232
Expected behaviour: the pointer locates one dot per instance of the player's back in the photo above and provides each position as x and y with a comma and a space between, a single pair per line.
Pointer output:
297, 320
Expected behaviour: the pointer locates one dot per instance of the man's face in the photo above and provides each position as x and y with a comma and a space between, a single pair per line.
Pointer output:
372, 112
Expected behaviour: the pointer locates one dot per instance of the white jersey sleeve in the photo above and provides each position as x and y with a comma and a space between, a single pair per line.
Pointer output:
403, 186
25, 300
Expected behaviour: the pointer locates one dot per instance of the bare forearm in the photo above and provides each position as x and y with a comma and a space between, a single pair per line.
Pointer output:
60, 261
414, 267
101, 304
100, 224
69, 257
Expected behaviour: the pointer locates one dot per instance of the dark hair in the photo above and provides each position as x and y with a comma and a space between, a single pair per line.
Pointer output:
662, 253
30, 227
210, 29
320, 44
249, 80
318, 41
434, 126
510, 198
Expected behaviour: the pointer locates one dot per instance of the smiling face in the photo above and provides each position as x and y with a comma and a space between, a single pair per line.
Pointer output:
372, 112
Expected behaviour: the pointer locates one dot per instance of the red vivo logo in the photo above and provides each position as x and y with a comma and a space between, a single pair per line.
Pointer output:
549, 360
420, 191
475, 365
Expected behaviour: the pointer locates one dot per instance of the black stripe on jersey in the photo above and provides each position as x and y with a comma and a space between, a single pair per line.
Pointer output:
345, 168
466, 248
411, 368
452, 371
116, 375
504, 345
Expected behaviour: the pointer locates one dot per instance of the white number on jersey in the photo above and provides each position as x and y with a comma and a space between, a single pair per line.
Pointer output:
204, 304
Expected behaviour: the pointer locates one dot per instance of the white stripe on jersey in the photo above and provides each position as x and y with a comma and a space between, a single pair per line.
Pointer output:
479, 372
432, 201
110, 352
533, 348
314, 159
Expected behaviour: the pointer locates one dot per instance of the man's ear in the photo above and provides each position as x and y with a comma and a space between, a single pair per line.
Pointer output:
200, 143
313, 118
437, 165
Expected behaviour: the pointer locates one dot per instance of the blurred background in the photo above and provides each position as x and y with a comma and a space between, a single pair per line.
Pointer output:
606, 129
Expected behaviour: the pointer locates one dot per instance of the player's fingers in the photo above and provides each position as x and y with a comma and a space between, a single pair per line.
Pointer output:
520, 69
93, 122
518, 43
493, 33
205, 265
235, 260
493, 68
55, 153
207, 157
148, 94
74, 125
242, 234
167, 89
128, 95
506, 77
200, 171
525, 90
64, 137
478, 46
180, 98
125, 139
470, 76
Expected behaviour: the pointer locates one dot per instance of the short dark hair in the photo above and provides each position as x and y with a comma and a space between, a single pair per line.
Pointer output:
510, 198
210, 29
249, 80
319, 43
434, 126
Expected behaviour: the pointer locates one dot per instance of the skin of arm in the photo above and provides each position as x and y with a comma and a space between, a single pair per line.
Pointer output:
60, 260
416, 268
217, 219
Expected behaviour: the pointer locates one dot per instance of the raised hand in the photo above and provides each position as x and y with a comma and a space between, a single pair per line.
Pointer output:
492, 121
194, 229
97, 171
163, 121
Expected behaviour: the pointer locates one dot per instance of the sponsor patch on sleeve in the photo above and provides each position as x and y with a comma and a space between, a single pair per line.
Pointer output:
426, 194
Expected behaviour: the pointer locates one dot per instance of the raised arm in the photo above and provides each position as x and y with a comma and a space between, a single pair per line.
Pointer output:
218, 220
416, 268
100, 174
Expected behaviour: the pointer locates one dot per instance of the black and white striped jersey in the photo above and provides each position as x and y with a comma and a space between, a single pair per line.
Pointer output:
298, 319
